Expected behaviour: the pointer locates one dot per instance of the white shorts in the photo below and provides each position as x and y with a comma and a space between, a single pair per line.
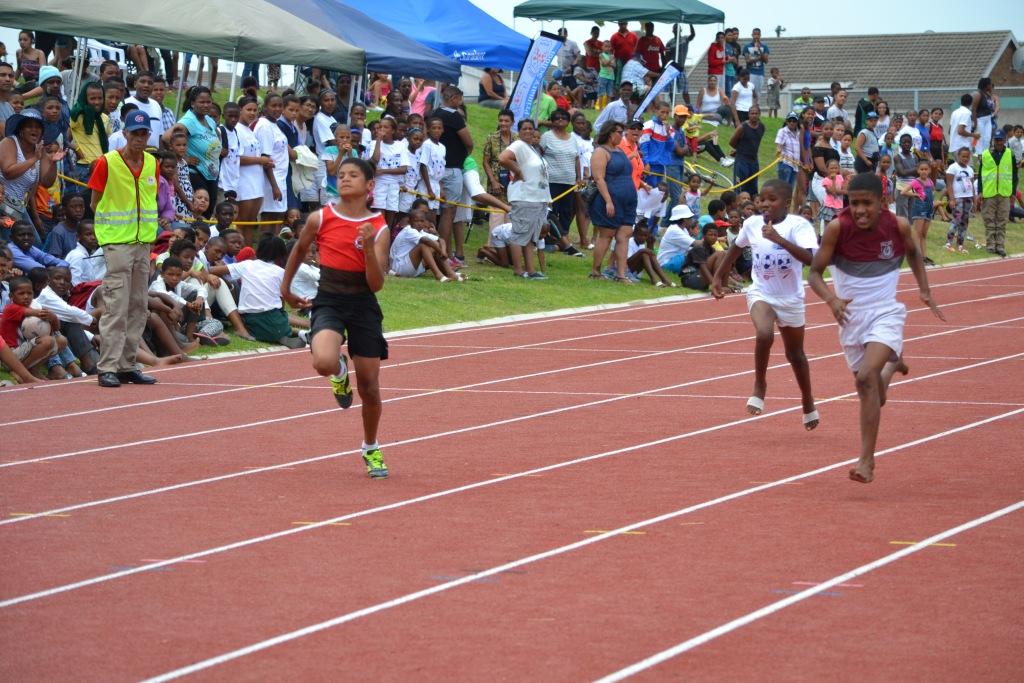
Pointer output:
500, 235
789, 311
472, 185
385, 196
405, 201
403, 267
882, 325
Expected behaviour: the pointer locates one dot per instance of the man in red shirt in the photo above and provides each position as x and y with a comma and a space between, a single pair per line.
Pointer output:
651, 48
623, 47
592, 49
716, 57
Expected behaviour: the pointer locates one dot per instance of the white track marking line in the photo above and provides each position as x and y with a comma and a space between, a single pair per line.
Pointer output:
774, 607
59, 456
518, 475
502, 323
393, 365
561, 550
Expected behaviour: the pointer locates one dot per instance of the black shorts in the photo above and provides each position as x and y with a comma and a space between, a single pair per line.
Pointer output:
356, 317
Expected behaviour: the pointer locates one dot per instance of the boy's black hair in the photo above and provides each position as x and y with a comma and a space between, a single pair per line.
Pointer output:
216, 241
182, 245
364, 166
865, 182
84, 223
18, 281
127, 108
190, 233
65, 201
729, 197
38, 276
200, 226
221, 205
271, 248
172, 262
781, 187
419, 203
714, 206
229, 231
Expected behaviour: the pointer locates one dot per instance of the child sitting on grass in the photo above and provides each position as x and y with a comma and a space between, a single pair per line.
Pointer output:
32, 333
171, 282
417, 248
259, 299
640, 256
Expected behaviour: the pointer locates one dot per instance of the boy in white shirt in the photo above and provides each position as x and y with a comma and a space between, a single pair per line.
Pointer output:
961, 195
677, 239
86, 259
782, 244
417, 247
170, 282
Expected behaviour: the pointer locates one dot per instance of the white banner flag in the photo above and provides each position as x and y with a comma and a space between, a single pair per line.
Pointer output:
542, 52
667, 76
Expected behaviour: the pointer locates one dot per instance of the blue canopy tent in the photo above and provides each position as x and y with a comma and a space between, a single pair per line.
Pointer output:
386, 49
455, 28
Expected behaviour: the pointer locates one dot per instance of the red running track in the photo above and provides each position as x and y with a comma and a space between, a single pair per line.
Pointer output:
570, 497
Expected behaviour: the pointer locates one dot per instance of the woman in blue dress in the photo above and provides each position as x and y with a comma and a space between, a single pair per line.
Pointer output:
613, 207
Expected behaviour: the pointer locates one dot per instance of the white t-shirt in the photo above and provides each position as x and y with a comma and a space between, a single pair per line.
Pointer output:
156, 117
775, 272
650, 202
744, 96
913, 132
406, 241
533, 186
306, 281
412, 175
963, 180
261, 285
835, 112
632, 247
393, 155
322, 133
230, 164
674, 241
117, 141
273, 144
960, 116
432, 155
586, 150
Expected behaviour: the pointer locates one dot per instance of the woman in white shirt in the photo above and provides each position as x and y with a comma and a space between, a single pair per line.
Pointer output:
709, 101
882, 127
744, 96
529, 195
249, 190
273, 145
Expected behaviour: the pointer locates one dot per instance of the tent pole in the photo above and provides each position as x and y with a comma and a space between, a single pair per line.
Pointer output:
181, 86
234, 75
75, 71
682, 67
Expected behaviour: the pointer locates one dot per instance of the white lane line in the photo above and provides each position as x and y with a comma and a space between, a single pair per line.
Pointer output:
463, 430
506, 322
561, 550
496, 480
401, 364
782, 604
634, 357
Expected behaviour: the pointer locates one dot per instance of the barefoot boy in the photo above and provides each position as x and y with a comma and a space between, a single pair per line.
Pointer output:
865, 246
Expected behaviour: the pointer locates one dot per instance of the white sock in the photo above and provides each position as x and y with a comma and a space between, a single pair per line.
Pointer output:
367, 447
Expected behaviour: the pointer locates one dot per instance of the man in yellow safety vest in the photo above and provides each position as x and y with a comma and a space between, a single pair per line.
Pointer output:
998, 178
124, 199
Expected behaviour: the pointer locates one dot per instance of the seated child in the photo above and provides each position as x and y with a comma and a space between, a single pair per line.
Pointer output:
305, 284
32, 333
417, 247
640, 256
171, 282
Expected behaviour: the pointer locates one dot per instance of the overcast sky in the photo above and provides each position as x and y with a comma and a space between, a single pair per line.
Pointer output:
806, 19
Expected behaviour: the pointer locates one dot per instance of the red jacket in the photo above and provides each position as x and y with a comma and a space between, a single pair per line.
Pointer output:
716, 60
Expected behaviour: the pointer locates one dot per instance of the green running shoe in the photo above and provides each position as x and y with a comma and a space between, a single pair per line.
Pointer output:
375, 466
340, 386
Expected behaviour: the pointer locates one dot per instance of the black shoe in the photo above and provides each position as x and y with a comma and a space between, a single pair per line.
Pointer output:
109, 380
135, 377
928, 261
1001, 252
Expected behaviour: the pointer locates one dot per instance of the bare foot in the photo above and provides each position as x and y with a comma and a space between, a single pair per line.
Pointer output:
811, 419
190, 347
863, 472
902, 367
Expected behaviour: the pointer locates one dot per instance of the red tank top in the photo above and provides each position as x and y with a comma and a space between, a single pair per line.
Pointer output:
338, 239
884, 243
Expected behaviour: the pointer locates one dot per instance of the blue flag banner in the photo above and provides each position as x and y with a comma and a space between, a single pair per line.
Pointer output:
667, 76
542, 52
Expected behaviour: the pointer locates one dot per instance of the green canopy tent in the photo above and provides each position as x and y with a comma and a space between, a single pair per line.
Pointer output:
239, 30
663, 11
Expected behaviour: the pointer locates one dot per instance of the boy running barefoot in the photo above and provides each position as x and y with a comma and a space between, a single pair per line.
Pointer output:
353, 243
781, 245
865, 247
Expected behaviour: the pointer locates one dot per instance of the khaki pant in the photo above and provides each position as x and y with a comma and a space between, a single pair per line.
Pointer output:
995, 211
126, 302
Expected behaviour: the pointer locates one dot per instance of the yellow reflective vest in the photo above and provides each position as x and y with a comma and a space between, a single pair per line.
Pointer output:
127, 211
996, 179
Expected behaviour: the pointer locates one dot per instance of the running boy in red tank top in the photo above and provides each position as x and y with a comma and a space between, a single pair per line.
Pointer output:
865, 246
353, 243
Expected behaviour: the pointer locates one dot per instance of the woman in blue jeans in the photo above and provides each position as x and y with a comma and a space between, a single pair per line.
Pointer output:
746, 141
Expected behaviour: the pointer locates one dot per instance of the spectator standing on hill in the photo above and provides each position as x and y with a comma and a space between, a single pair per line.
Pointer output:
145, 103
651, 49
592, 49
864, 107
716, 56
458, 144
755, 53
998, 178
838, 109
623, 46
984, 107
732, 57
746, 140
680, 57
962, 132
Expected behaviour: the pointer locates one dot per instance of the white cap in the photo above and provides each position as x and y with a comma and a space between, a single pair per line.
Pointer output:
679, 213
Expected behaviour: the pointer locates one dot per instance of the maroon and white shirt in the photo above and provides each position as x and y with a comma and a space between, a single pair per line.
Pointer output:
866, 263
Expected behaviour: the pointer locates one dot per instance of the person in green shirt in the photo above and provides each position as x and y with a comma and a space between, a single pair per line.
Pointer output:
548, 104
